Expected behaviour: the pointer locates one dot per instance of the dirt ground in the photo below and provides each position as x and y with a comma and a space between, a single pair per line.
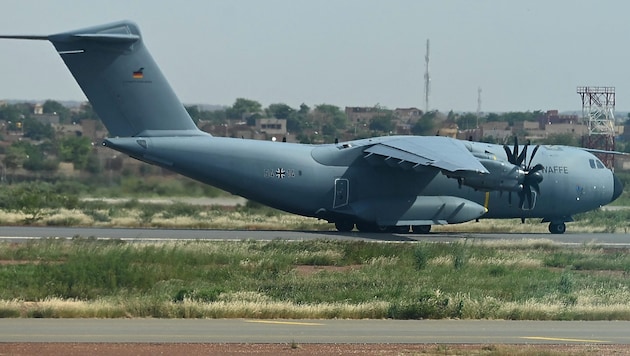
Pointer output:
72, 349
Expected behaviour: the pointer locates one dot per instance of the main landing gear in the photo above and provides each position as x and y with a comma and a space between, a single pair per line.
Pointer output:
344, 225
557, 228
421, 229
347, 226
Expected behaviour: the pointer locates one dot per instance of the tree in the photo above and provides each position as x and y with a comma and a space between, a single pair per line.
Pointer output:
280, 111
467, 121
330, 114
75, 149
425, 125
243, 108
329, 119
36, 130
36, 200
10, 113
305, 109
297, 120
85, 112
195, 114
493, 117
383, 123
56, 108
13, 158
29, 156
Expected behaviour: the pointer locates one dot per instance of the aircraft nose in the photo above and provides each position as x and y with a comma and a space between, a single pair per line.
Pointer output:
618, 189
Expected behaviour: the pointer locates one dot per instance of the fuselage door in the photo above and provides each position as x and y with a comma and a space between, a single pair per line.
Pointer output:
341, 192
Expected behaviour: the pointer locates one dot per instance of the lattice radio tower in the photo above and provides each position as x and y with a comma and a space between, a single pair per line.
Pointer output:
598, 113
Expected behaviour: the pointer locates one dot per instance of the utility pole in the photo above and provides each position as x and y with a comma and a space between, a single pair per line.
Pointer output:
478, 106
427, 80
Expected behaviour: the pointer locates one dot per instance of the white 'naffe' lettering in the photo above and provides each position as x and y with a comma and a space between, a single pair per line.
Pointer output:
556, 169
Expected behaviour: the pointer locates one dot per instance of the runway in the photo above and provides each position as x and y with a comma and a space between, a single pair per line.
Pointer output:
314, 331
20, 233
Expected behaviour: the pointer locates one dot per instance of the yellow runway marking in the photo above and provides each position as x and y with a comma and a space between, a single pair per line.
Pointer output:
282, 322
560, 339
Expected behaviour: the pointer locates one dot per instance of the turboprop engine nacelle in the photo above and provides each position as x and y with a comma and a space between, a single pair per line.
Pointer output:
503, 176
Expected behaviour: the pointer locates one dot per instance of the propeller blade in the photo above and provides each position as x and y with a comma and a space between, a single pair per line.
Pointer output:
532, 175
537, 168
533, 154
509, 154
536, 188
521, 198
522, 157
515, 152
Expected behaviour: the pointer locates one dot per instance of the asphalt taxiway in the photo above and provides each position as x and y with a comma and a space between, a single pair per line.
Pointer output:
20, 233
314, 331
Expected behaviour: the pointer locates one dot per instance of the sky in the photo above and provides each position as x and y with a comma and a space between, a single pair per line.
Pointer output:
524, 55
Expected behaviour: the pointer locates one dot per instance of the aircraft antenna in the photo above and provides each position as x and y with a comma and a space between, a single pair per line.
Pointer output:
427, 79
598, 113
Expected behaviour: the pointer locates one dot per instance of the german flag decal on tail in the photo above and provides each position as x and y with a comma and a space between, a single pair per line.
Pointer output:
138, 74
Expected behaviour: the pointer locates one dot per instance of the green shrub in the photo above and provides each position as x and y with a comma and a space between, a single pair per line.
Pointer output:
420, 257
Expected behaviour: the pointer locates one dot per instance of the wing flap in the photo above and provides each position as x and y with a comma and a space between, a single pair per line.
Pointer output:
415, 152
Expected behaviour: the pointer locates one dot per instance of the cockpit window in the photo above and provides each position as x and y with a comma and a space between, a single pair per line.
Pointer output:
592, 163
600, 165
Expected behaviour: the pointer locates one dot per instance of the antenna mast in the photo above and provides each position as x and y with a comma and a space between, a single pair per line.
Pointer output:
427, 79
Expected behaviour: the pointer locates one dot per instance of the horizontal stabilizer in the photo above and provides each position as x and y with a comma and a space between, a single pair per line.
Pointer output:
24, 37
122, 38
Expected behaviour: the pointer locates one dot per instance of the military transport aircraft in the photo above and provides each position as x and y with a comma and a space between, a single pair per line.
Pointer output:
392, 183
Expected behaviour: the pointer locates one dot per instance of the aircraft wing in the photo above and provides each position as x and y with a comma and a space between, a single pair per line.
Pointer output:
417, 152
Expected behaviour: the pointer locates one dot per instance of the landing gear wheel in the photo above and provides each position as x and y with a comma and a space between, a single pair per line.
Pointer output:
401, 229
557, 228
385, 228
363, 227
344, 225
368, 227
421, 229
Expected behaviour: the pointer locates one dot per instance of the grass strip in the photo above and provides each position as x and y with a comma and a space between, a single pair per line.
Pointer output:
531, 279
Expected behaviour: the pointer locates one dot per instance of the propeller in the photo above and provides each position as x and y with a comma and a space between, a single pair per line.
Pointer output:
532, 175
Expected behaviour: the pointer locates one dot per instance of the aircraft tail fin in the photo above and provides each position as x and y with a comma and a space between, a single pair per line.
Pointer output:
122, 81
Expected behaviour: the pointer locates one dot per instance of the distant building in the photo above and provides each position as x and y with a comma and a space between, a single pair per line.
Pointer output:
408, 114
574, 129
498, 130
68, 130
553, 117
272, 126
361, 115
